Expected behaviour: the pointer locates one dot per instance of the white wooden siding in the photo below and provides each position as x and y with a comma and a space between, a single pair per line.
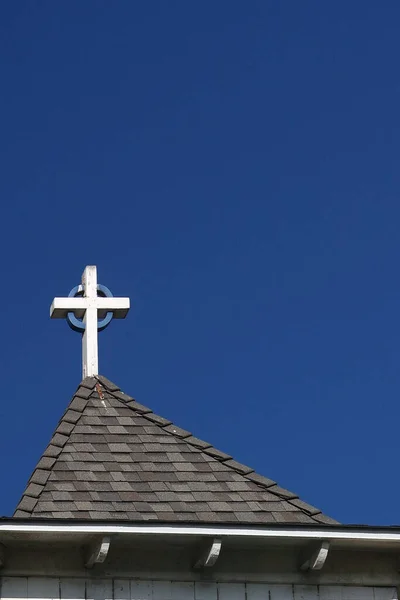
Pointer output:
47, 588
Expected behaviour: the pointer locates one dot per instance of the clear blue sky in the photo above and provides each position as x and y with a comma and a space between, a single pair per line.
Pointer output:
233, 167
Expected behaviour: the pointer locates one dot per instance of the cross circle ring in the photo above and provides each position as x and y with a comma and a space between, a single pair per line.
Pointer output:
78, 324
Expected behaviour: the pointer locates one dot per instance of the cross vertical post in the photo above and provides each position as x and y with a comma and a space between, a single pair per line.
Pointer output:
90, 360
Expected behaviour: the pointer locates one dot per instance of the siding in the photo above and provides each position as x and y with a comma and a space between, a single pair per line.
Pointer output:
41, 588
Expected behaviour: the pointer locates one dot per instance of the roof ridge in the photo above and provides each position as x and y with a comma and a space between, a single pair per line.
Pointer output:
59, 438
249, 473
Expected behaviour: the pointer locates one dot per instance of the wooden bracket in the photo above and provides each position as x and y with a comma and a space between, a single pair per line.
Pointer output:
317, 555
210, 556
2, 555
97, 553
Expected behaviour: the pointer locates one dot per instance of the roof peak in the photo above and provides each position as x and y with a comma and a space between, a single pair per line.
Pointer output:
111, 452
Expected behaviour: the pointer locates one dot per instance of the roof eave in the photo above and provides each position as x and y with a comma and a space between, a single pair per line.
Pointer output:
358, 534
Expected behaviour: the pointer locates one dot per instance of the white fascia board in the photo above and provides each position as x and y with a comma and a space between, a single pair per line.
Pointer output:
370, 535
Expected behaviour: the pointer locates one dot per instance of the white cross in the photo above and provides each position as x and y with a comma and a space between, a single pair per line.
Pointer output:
89, 307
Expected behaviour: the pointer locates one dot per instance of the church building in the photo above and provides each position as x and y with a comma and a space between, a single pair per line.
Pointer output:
126, 505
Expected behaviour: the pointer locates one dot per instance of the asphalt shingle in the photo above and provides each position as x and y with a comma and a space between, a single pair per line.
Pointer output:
113, 458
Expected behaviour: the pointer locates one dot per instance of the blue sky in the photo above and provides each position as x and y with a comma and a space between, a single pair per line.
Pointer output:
233, 167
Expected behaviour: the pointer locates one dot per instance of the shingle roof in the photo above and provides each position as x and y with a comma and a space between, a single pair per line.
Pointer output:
113, 458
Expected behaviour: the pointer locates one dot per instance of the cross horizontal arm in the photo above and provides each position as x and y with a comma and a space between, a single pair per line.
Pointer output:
62, 306
118, 306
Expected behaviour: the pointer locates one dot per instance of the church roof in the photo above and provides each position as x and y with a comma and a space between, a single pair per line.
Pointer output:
112, 458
